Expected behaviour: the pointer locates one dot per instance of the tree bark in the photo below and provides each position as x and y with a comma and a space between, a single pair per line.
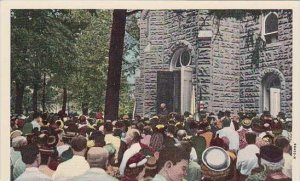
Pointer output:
34, 98
85, 108
115, 65
44, 94
19, 97
65, 96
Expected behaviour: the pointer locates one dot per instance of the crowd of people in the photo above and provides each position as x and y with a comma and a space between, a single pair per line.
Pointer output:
165, 147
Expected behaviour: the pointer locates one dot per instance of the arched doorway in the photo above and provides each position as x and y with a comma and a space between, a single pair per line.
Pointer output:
174, 87
271, 87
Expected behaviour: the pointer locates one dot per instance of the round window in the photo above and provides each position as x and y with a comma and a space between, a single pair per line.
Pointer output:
185, 58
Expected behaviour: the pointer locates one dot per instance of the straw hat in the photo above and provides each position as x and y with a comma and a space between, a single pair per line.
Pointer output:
216, 158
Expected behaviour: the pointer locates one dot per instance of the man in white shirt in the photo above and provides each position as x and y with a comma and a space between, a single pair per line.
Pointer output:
246, 158
77, 165
132, 140
231, 134
31, 157
97, 158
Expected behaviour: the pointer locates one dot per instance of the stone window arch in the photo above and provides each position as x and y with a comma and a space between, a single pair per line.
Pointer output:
270, 27
182, 56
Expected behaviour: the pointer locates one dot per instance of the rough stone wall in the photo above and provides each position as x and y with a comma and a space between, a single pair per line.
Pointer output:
277, 59
151, 61
225, 75
225, 66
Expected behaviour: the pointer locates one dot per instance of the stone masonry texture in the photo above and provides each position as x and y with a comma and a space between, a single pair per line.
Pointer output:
223, 73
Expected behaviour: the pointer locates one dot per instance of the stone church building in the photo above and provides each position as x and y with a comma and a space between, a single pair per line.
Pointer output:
228, 63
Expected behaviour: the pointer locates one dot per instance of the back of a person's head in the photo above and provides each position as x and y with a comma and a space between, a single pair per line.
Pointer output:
173, 153
44, 116
226, 122
78, 143
140, 126
29, 153
97, 157
18, 142
281, 142
171, 129
250, 138
36, 115
181, 134
108, 127
147, 130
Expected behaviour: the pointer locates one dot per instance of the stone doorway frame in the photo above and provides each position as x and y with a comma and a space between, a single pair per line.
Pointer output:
260, 79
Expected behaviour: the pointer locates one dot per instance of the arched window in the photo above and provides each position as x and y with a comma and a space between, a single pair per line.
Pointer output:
270, 28
182, 57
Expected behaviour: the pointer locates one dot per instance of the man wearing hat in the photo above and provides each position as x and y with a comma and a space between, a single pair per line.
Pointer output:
270, 164
77, 165
97, 158
31, 157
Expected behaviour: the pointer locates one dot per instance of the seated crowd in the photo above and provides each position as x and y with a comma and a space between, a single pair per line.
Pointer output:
166, 147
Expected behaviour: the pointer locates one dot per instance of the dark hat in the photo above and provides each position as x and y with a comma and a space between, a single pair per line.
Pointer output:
266, 113
257, 125
271, 153
187, 114
281, 114
227, 113
277, 126
221, 114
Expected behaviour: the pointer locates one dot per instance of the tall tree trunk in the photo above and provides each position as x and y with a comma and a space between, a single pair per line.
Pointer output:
115, 65
85, 108
34, 98
65, 96
19, 97
44, 94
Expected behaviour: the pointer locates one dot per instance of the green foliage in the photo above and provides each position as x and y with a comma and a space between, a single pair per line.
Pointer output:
89, 81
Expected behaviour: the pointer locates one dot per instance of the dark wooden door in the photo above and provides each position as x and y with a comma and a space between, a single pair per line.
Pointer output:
168, 90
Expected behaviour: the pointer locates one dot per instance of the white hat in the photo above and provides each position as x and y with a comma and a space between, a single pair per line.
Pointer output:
216, 158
